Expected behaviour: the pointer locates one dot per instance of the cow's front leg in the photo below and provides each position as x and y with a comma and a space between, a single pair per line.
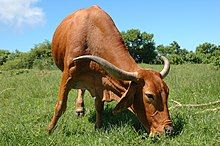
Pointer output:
80, 110
99, 106
61, 102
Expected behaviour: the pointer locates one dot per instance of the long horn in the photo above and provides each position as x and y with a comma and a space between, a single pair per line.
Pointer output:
110, 68
166, 67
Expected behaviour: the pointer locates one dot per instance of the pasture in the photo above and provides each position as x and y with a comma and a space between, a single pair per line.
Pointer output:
28, 98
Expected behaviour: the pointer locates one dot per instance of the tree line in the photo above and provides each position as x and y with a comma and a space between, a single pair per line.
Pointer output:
141, 46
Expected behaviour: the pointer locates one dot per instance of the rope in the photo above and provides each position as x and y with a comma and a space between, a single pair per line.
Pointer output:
180, 105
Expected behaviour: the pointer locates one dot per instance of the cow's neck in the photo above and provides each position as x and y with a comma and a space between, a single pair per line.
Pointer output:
114, 89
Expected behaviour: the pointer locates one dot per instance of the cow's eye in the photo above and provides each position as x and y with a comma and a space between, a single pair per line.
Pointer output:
150, 97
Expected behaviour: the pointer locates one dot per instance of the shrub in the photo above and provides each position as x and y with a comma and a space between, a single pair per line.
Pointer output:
46, 63
175, 59
13, 64
141, 45
3, 56
215, 62
191, 57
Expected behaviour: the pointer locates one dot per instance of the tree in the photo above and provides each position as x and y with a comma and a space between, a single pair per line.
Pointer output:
174, 53
3, 56
205, 48
173, 48
15, 60
39, 57
192, 57
215, 57
207, 51
140, 45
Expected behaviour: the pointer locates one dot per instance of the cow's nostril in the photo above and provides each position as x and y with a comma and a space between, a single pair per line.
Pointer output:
169, 130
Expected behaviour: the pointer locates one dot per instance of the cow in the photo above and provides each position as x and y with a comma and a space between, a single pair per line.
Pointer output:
89, 50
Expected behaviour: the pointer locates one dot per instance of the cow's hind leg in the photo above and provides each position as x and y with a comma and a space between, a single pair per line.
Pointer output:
80, 110
61, 102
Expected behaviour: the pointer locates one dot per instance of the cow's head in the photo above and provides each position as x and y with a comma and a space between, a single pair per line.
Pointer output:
146, 95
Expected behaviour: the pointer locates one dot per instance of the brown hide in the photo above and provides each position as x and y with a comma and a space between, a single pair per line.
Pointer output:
91, 31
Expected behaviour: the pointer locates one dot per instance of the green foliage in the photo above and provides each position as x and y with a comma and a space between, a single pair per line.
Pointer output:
208, 52
215, 59
206, 48
191, 57
3, 56
28, 100
173, 48
45, 63
174, 53
12, 64
15, 60
175, 59
140, 44
216, 62
205, 53
40, 53
41, 50
38, 57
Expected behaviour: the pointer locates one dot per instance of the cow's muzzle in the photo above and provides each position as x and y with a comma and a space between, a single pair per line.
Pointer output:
168, 130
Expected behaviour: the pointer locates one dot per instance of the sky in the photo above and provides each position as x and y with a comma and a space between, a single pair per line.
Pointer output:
24, 23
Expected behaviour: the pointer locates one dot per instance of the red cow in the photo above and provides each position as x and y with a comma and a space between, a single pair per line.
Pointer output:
91, 53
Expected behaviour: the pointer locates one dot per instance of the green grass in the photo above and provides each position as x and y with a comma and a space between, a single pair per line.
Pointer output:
28, 98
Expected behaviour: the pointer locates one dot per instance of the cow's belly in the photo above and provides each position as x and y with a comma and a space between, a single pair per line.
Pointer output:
88, 81
98, 85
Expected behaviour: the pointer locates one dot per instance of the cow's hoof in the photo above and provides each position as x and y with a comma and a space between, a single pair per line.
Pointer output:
49, 132
50, 129
80, 112
97, 127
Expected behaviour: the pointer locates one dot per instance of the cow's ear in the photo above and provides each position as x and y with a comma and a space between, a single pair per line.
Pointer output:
126, 99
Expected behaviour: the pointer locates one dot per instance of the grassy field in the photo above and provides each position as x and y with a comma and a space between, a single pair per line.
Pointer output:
28, 98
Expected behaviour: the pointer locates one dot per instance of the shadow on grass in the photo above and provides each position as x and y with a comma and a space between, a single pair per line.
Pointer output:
178, 124
126, 117
109, 120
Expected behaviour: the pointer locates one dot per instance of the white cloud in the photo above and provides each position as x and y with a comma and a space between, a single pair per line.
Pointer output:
20, 13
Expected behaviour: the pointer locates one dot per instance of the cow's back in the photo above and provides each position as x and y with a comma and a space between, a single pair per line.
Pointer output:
59, 42
86, 31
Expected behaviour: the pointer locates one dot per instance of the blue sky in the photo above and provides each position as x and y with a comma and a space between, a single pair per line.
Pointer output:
24, 23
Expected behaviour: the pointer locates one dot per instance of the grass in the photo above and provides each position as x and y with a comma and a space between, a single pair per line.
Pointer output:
28, 98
